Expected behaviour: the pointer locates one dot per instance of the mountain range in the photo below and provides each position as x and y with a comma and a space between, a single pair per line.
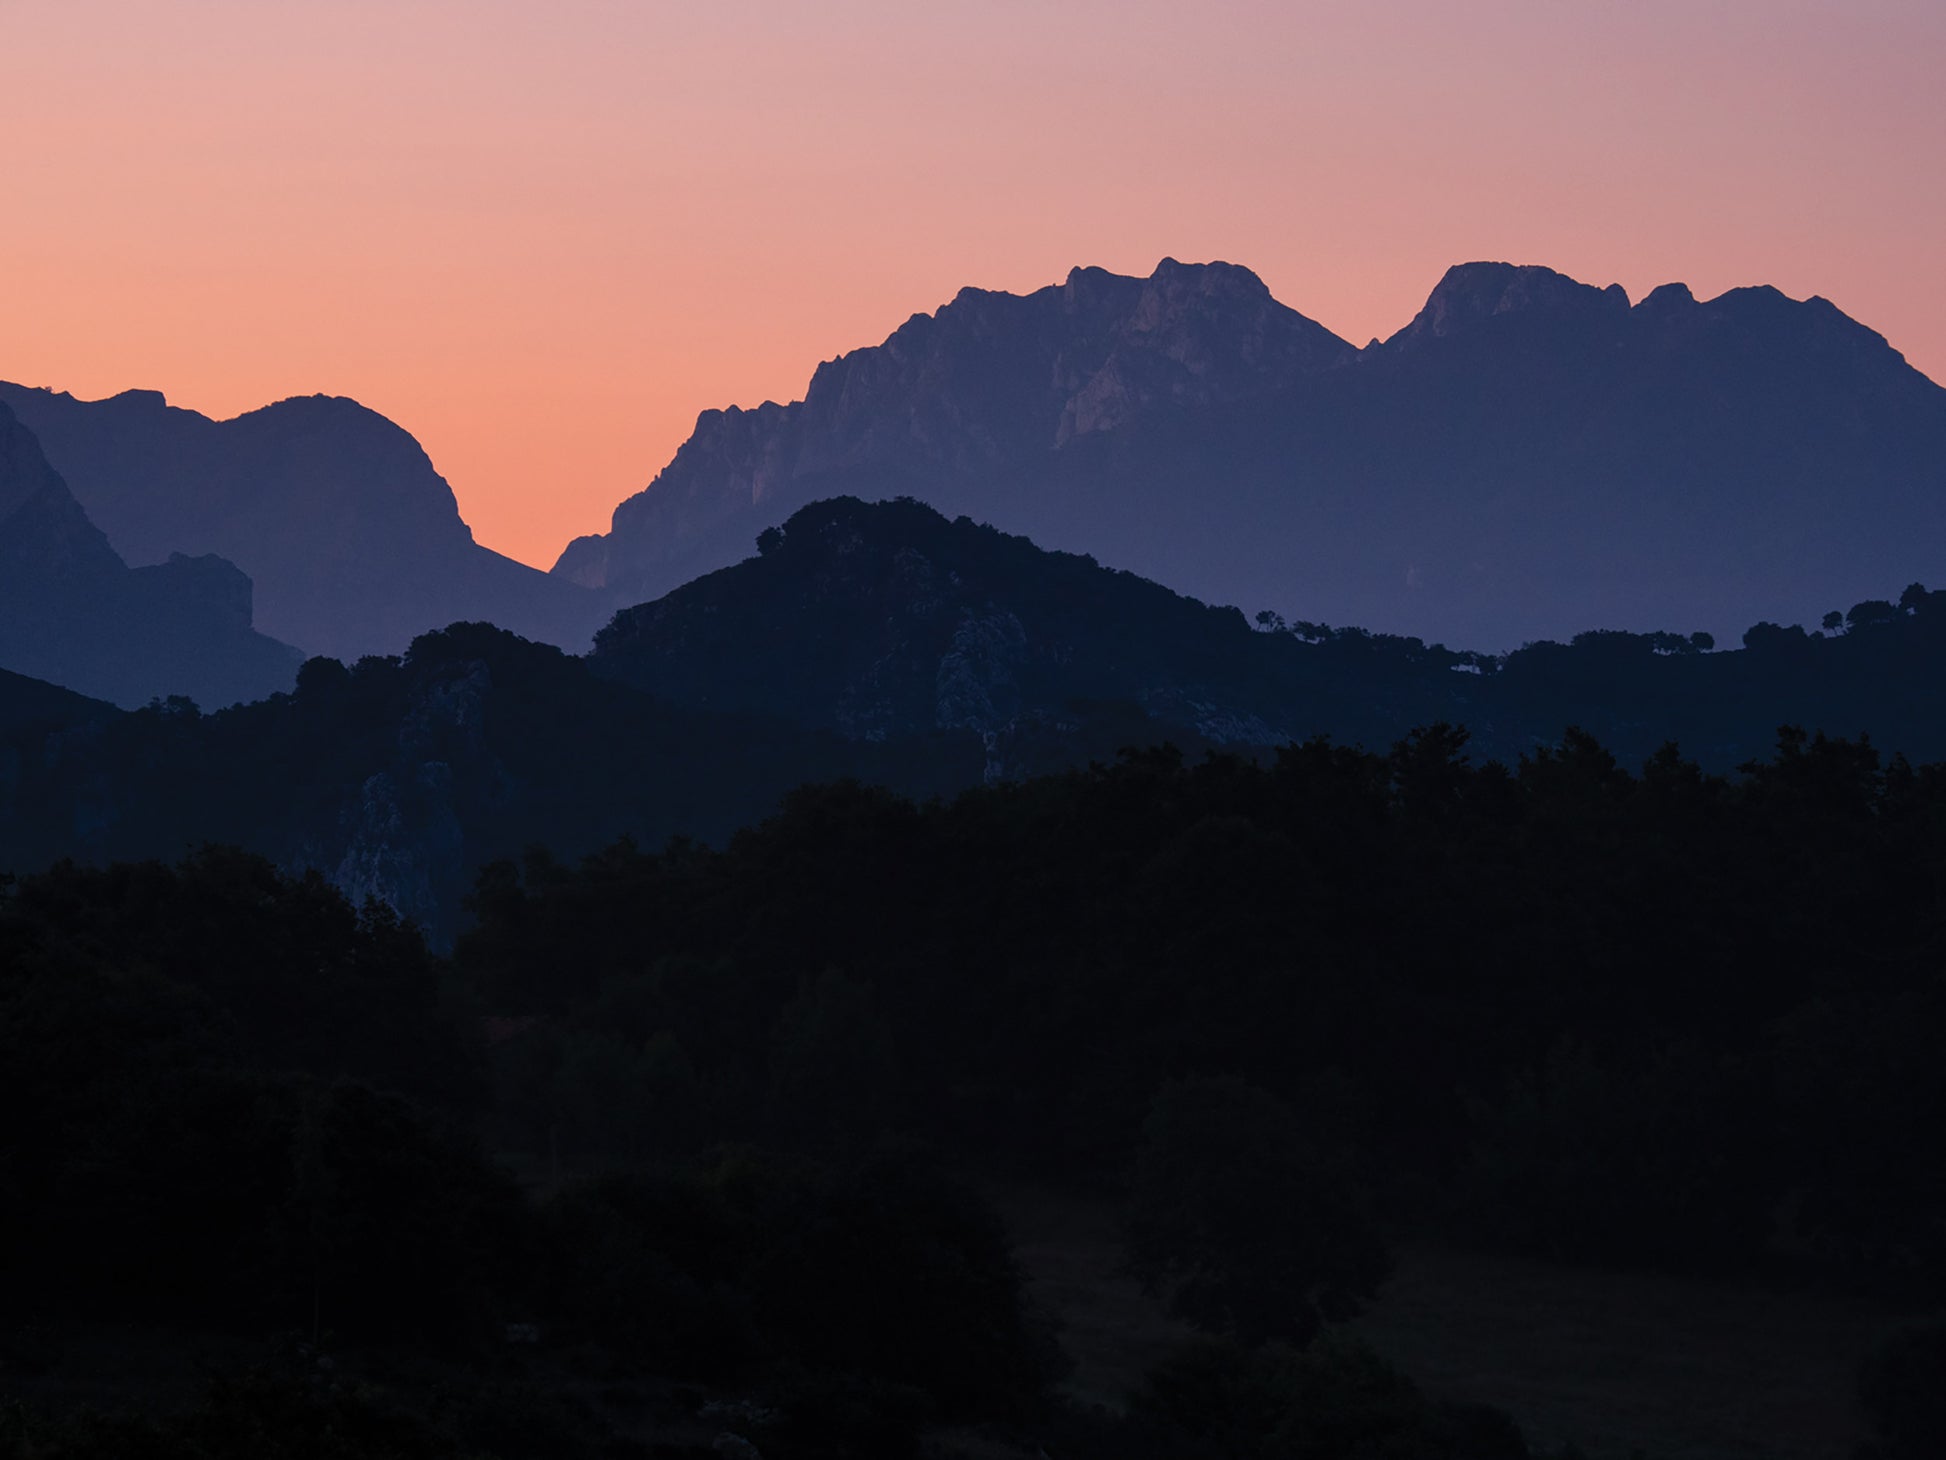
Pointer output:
1528, 458
74, 613
353, 541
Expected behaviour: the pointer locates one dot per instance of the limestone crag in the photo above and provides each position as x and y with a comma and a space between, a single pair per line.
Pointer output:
989, 380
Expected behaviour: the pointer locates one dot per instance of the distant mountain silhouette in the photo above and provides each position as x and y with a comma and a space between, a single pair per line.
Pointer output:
74, 614
354, 542
1528, 458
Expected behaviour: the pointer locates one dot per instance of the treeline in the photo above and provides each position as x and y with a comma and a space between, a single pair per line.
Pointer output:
1287, 1013
1871, 667
1662, 1017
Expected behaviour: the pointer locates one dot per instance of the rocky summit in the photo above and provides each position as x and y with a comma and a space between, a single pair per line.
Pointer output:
953, 400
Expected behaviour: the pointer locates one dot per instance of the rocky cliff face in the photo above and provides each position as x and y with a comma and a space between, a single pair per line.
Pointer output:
1529, 457
353, 540
74, 614
990, 381
398, 836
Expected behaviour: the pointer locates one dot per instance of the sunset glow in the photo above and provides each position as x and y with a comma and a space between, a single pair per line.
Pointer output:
543, 238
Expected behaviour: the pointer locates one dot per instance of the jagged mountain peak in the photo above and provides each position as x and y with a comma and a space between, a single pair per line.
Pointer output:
1470, 294
1813, 332
1089, 283
989, 379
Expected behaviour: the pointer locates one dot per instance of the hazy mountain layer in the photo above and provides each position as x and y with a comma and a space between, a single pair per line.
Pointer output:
354, 542
1528, 458
74, 614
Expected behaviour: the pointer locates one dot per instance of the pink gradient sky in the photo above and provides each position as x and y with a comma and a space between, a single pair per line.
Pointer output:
542, 237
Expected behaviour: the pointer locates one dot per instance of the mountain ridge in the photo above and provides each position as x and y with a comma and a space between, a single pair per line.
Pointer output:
1527, 457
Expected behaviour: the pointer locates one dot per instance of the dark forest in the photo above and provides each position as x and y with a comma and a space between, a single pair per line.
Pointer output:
713, 1126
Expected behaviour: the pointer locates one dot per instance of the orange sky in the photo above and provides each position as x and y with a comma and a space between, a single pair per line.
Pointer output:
542, 237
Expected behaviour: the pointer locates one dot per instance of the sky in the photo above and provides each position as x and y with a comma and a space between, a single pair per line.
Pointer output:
543, 237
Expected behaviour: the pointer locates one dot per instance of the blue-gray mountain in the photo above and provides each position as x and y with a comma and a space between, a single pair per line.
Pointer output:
1530, 457
74, 613
353, 540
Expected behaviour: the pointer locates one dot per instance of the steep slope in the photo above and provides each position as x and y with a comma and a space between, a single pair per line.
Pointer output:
353, 540
1528, 458
33, 706
74, 614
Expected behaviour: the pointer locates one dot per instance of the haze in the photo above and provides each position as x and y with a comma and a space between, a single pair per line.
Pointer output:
543, 238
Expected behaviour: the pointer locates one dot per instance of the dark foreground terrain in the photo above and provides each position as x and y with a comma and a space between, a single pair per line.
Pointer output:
1621, 1362
667, 1156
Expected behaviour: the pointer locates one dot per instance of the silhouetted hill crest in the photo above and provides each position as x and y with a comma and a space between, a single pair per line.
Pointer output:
887, 621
